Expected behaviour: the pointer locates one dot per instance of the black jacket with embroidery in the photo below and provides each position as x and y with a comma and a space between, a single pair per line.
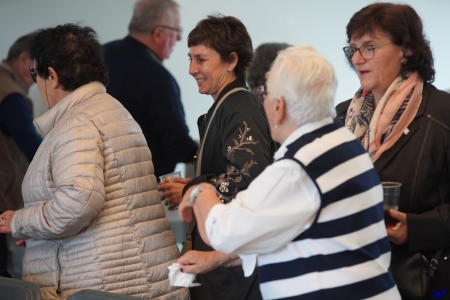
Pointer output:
237, 149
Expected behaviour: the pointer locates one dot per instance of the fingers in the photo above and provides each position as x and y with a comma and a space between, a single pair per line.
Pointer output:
398, 215
21, 243
165, 195
233, 263
185, 180
185, 212
190, 269
172, 206
5, 221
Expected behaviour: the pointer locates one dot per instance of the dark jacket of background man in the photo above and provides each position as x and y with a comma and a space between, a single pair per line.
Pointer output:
145, 87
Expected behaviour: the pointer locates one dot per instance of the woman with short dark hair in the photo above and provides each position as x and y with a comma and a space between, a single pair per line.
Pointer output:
402, 120
235, 148
92, 216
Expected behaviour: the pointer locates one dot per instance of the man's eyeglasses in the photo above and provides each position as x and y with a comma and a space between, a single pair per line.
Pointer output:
367, 51
33, 73
261, 92
178, 30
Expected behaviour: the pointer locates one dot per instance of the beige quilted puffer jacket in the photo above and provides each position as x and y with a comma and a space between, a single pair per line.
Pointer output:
92, 216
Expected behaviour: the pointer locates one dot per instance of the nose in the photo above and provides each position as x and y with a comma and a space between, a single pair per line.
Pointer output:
192, 68
357, 58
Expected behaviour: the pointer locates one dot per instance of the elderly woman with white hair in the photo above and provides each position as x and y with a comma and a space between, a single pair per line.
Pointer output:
314, 217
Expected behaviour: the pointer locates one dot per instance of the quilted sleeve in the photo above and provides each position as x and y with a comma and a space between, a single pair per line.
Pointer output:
76, 162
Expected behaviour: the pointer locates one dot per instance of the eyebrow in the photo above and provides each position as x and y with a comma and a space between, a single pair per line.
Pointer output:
368, 42
198, 55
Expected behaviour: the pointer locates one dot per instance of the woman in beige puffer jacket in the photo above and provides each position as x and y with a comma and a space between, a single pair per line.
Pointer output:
92, 216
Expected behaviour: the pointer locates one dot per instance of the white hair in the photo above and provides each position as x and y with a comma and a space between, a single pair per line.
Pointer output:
307, 83
148, 14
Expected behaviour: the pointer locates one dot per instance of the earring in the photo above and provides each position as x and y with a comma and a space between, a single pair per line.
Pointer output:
276, 126
229, 70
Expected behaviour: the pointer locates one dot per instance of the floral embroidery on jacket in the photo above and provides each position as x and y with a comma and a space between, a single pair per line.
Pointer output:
234, 173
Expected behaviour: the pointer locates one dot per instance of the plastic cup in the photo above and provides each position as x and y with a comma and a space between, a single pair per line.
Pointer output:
170, 175
391, 196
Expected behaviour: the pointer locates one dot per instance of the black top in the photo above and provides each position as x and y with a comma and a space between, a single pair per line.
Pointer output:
420, 161
150, 93
237, 149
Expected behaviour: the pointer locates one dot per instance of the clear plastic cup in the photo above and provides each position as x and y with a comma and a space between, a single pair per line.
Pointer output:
170, 175
391, 196
168, 178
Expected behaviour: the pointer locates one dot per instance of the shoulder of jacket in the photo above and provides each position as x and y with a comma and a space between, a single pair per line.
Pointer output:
437, 106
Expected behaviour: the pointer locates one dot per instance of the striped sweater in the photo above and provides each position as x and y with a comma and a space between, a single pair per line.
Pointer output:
345, 254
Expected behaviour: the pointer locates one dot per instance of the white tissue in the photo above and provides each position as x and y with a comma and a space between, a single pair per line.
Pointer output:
248, 263
178, 278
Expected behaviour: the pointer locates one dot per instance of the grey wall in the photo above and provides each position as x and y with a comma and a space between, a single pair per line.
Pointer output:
320, 23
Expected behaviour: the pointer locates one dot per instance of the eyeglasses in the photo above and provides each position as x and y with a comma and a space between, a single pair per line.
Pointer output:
367, 51
261, 92
33, 73
178, 30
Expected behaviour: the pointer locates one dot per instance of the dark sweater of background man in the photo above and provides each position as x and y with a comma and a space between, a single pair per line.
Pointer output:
150, 93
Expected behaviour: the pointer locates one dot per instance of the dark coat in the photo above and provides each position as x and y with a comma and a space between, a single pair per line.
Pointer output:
232, 158
420, 161
150, 93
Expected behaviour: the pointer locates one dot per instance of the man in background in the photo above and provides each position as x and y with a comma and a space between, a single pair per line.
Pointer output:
145, 87
18, 137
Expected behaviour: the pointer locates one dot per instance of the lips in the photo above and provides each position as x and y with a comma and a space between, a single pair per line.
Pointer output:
363, 72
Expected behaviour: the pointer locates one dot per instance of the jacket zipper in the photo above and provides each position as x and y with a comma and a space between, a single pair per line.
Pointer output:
58, 290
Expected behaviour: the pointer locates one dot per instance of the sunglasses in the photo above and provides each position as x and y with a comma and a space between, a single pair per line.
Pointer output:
33, 73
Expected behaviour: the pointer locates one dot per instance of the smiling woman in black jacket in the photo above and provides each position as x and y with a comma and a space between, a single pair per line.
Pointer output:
236, 147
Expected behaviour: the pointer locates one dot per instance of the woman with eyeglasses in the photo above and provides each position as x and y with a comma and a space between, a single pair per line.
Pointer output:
235, 147
403, 121
92, 216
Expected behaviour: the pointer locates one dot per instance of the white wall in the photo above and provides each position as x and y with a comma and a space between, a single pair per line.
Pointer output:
320, 23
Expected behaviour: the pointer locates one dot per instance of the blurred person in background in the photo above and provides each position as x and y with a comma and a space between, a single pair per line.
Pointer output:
138, 79
265, 54
92, 216
18, 137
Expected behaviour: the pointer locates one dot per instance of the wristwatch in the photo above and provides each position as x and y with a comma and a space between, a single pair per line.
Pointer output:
196, 191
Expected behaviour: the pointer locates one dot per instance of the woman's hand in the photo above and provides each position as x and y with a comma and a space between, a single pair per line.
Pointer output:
5, 221
200, 262
399, 234
172, 189
186, 210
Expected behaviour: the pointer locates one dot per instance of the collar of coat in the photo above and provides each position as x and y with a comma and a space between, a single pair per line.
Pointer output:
48, 121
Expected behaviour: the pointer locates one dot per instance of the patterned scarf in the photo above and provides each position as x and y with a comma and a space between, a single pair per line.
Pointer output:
378, 130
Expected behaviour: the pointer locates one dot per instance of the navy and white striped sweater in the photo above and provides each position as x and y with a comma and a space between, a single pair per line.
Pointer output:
345, 254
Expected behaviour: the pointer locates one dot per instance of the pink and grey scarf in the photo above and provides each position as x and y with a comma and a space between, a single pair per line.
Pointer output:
378, 130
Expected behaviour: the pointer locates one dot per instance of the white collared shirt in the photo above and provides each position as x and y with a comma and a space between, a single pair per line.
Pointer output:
278, 205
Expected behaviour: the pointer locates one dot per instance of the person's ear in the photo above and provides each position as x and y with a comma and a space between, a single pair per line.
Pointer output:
279, 110
53, 78
406, 54
158, 33
233, 61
